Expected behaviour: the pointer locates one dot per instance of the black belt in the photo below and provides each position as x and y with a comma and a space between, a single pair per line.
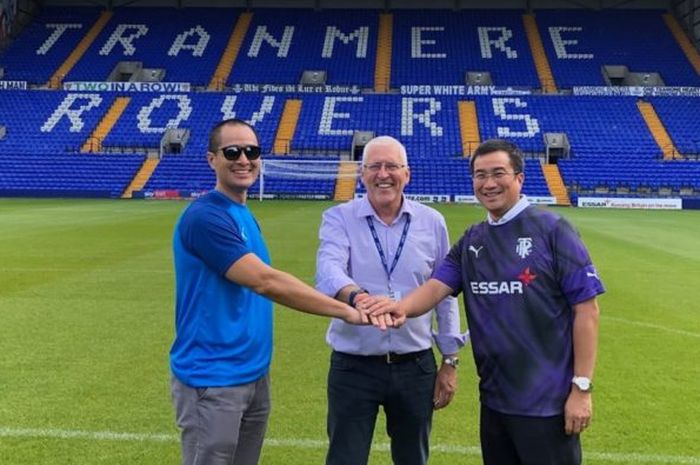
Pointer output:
391, 357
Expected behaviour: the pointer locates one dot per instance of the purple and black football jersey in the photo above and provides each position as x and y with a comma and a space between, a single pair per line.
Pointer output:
520, 280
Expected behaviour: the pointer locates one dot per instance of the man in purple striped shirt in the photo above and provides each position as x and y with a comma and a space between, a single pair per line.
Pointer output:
530, 294
385, 244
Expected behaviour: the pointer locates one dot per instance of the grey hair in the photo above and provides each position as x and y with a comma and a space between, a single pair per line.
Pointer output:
385, 140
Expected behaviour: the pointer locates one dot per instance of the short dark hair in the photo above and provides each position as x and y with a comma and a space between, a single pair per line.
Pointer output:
215, 133
495, 145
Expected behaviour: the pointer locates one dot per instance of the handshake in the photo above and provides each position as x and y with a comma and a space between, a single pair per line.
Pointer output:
380, 311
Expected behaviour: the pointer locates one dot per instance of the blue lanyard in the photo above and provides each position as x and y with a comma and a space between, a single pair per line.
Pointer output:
399, 249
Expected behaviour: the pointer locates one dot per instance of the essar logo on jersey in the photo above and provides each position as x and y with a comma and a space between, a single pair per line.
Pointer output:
525, 278
496, 287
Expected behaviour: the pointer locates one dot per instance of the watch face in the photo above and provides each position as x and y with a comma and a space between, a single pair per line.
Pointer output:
583, 383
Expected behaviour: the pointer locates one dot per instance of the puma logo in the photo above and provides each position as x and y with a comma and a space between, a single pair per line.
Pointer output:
475, 250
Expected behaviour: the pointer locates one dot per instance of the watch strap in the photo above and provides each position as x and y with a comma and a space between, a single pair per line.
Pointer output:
354, 294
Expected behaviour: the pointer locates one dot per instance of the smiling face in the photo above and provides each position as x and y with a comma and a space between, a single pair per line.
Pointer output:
496, 184
385, 174
234, 177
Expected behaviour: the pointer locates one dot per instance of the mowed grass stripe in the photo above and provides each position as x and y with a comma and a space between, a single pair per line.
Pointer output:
86, 322
617, 457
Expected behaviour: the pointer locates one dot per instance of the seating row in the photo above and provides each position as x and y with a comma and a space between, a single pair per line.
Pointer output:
428, 47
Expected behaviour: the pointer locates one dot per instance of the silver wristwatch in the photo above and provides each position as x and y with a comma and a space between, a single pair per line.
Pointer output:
451, 361
582, 383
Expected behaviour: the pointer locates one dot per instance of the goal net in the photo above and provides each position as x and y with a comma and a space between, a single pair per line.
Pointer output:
304, 179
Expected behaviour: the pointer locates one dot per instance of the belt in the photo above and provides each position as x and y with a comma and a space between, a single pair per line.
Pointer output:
391, 357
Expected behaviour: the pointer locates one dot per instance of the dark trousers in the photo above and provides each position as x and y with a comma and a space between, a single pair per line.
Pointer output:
358, 385
520, 440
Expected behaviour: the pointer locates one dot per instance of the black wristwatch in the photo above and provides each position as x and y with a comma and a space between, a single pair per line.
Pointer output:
353, 294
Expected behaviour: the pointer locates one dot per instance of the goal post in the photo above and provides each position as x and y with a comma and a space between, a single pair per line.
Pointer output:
304, 178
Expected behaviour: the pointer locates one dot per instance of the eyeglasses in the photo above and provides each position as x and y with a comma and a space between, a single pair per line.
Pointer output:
234, 152
496, 175
390, 167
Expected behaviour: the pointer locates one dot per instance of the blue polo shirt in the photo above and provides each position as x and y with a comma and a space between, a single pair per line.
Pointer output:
223, 330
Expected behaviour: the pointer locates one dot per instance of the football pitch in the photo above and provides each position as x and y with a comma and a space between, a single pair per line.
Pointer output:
86, 322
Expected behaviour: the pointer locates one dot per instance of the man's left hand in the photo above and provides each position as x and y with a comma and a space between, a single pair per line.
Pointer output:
578, 411
445, 386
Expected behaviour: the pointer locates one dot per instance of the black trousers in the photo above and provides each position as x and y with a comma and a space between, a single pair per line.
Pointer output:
358, 385
521, 440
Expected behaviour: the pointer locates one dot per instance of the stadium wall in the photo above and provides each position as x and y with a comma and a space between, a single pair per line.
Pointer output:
382, 4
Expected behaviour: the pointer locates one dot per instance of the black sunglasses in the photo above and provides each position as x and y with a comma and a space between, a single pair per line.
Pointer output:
233, 152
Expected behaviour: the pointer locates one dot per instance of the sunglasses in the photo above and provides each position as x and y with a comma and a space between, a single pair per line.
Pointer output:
234, 152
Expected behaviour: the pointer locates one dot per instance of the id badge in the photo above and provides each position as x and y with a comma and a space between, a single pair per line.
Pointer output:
394, 295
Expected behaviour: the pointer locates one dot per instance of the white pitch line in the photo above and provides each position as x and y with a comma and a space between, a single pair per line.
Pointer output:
315, 444
652, 326
70, 270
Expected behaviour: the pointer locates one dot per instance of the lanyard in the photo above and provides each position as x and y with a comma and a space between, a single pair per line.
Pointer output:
399, 249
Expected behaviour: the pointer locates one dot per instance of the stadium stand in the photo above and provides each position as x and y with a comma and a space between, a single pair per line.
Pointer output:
680, 116
46, 43
439, 47
281, 44
614, 148
187, 43
76, 175
579, 43
49, 121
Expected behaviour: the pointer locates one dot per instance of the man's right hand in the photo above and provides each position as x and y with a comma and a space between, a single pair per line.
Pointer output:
383, 310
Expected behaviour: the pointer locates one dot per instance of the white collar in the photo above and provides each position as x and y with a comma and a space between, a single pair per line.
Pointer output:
514, 211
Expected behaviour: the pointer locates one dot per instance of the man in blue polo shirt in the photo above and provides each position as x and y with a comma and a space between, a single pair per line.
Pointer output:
530, 295
220, 358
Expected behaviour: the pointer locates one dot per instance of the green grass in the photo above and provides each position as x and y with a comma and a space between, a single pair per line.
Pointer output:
86, 321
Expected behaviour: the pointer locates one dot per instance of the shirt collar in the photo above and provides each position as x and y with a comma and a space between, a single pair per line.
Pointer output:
365, 209
514, 211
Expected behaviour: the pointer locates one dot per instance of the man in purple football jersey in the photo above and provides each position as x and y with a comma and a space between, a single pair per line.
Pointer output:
530, 295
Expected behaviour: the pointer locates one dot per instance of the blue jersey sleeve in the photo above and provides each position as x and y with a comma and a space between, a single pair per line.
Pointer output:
213, 236
575, 271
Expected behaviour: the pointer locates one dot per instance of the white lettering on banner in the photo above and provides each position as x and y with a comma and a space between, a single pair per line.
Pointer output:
265, 108
428, 198
13, 85
424, 198
532, 126
626, 202
144, 116
499, 43
86, 102
118, 36
417, 42
82, 86
272, 88
59, 30
496, 287
637, 91
325, 127
462, 90
542, 200
261, 35
408, 115
332, 33
197, 49
465, 199
560, 44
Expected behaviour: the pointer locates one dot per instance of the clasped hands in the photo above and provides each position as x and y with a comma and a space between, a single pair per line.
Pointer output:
379, 311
